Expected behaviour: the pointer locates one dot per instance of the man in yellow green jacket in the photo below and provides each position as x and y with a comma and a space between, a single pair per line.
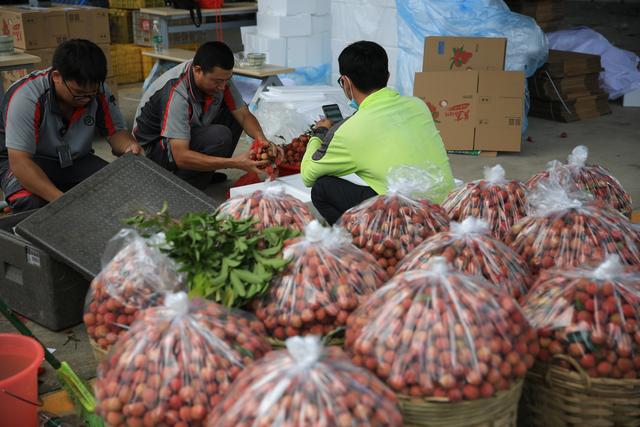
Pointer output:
388, 130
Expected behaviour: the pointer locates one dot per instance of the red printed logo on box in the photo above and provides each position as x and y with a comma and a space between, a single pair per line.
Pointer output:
459, 112
460, 57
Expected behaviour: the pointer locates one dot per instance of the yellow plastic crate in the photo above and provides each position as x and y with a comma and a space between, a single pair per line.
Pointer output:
135, 4
120, 26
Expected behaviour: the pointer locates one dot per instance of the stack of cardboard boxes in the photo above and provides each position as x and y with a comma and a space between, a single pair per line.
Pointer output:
567, 88
475, 103
547, 13
292, 33
38, 31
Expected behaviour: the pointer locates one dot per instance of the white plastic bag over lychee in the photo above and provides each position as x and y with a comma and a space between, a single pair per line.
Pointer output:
176, 362
494, 199
591, 178
567, 228
390, 226
307, 385
270, 207
590, 314
471, 249
437, 332
135, 275
326, 279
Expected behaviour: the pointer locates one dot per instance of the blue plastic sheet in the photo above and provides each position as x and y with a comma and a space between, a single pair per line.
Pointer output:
306, 76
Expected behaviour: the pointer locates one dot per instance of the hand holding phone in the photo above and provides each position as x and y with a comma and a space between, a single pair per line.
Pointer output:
332, 112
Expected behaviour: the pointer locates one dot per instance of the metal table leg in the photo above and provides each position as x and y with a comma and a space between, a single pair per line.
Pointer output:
155, 72
266, 82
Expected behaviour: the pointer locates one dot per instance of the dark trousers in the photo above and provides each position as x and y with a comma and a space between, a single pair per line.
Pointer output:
20, 199
218, 139
332, 196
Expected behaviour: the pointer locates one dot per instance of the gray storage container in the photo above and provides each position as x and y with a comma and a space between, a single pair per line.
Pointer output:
35, 285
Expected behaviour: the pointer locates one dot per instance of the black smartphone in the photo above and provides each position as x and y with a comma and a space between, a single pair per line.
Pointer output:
332, 112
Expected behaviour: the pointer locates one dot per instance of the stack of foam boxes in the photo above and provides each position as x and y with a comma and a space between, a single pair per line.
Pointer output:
355, 20
293, 33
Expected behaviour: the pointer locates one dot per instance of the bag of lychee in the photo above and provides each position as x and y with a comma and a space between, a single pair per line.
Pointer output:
326, 279
566, 229
494, 199
306, 385
390, 226
591, 313
270, 207
264, 150
591, 178
176, 362
134, 276
440, 333
470, 248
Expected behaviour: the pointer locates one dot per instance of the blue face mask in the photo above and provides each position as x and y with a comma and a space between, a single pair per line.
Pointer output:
353, 104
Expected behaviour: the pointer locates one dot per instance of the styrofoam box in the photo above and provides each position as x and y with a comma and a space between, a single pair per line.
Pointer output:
631, 99
323, 7
338, 45
284, 26
364, 23
287, 7
320, 24
275, 48
253, 29
306, 51
377, 3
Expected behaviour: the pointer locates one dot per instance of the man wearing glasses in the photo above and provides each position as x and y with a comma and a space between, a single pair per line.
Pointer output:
387, 130
190, 120
48, 123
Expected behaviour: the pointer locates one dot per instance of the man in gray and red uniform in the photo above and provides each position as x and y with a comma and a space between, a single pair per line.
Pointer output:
190, 120
48, 123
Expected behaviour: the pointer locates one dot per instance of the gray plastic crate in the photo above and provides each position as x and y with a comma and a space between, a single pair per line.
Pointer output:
36, 285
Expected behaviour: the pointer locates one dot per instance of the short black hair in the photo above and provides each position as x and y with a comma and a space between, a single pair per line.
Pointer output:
366, 64
214, 54
80, 61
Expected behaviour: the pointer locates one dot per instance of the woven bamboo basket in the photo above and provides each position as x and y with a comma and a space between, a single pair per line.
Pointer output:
556, 396
98, 352
498, 411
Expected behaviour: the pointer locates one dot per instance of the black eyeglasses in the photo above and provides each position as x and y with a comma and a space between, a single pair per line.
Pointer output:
340, 82
79, 97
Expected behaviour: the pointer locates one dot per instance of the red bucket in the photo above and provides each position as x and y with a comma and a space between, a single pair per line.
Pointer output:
20, 358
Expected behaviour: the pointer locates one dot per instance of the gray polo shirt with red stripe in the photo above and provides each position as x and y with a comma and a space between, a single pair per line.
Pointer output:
31, 119
173, 105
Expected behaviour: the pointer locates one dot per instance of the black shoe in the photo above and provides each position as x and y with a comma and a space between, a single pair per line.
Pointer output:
218, 177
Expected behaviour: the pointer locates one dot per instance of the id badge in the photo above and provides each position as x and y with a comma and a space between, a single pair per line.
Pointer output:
64, 155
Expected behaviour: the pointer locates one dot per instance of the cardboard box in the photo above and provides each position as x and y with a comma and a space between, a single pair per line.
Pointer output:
135, 4
568, 88
34, 28
476, 110
567, 64
464, 53
586, 107
46, 57
284, 26
85, 22
9, 77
